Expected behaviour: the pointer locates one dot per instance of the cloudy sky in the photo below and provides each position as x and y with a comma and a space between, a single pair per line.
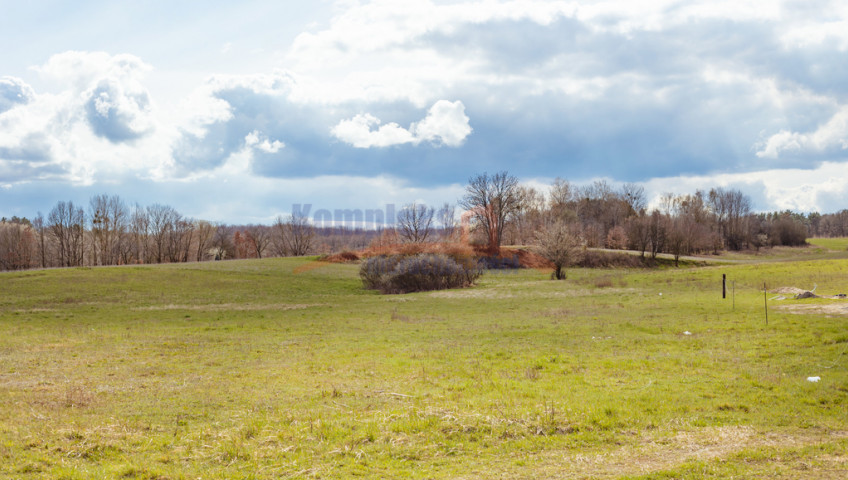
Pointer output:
234, 111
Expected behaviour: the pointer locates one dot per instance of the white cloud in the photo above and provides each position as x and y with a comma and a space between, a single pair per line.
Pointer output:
823, 189
831, 135
256, 140
445, 124
357, 132
13, 92
93, 122
80, 70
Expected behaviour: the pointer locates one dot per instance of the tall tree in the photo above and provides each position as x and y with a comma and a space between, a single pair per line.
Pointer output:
415, 222
66, 224
491, 200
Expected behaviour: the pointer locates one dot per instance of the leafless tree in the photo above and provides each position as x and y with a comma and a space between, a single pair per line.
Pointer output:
559, 244
163, 220
730, 209
18, 248
109, 218
446, 217
222, 242
260, 238
179, 238
634, 196
415, 222
491, 200
528, 216
562, 201
294, 235
657, 232
204, 230
139, 234
41, 237
66, 224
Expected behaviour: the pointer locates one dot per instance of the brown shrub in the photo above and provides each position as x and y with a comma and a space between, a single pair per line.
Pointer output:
342, 257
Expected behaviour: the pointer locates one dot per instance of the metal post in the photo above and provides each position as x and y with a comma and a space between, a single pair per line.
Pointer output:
723, 285
765, 301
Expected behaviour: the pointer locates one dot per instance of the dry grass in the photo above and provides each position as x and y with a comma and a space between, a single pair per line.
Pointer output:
645, 454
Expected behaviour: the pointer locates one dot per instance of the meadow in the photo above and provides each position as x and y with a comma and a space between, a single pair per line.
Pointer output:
288, 368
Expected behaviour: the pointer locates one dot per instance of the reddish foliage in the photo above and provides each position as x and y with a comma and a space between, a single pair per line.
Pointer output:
245, 246
342, 257
529, 259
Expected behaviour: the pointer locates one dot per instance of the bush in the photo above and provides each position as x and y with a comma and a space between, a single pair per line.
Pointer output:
417, 273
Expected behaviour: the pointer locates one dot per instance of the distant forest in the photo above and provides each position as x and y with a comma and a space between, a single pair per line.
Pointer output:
497, 210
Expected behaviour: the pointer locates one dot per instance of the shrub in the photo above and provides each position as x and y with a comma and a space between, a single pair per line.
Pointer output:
417, 273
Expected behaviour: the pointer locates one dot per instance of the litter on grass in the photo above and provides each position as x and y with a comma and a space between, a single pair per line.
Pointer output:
813, 379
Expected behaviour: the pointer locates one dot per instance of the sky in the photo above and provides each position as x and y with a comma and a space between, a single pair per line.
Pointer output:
235, 111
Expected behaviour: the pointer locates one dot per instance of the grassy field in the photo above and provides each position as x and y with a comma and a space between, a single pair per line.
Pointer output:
282, 368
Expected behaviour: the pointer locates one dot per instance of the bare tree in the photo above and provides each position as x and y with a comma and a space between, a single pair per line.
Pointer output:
415, 222
657, 232
446, 217
634, 196
730, 209
108, 217
204, 230
562, 200
41, 233
260, 238
66, 225
163, 220
139, 234
491, 201
179, 238
17, 245
293, 235
222, 242
559, 244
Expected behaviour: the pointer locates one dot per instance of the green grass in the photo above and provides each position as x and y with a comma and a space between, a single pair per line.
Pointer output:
273, 369
835, 244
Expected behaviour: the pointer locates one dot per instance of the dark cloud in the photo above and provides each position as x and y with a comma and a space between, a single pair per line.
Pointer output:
32, 148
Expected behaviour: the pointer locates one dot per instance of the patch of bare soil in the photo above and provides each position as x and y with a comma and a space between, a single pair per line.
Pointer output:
788, 290
658, 454
826, 309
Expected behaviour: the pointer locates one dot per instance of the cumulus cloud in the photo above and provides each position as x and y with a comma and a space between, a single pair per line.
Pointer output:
94, 119
823, 188
258, 141
13, 91
647, 90
117, 111
445, 124
80, 70
832, 135
358, 132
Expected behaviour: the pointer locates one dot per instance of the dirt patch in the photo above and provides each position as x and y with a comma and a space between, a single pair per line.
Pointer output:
840, 309
788, 290
652, 455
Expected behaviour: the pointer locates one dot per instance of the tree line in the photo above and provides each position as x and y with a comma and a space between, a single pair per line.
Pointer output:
603, 216
497, 209
111, 232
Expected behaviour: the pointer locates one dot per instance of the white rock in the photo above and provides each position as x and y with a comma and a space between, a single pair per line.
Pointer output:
813, 379
687, 332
